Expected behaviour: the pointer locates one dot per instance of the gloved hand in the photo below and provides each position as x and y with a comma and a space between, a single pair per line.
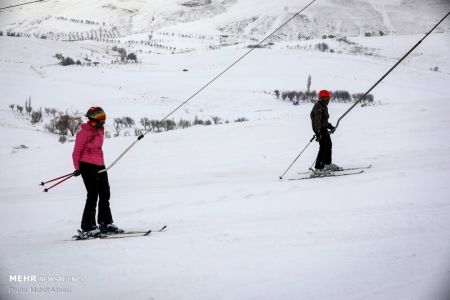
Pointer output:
318, 137
76, 173
332, 128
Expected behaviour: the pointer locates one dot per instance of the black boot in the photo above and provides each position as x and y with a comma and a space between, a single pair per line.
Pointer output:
110, 229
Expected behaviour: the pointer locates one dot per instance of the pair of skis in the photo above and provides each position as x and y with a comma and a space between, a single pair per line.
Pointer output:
125, 234
341, 172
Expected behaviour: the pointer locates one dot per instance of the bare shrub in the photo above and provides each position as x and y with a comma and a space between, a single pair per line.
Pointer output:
184, 124
156, 124
137, 131
74, 124
62, 139
28, 107
118, 126
145, 122
242, 119
36, 117
128, 121
277, 93
308, 83
216, 120
367, 100
291, 96
198, 121
67, 61
322, 47
19, 108
169, 125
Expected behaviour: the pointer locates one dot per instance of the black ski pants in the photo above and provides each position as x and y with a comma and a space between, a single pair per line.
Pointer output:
97, 187
325, 149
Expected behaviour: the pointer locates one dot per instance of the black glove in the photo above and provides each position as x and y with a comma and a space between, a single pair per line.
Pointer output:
76, 173
331, 127
318, 137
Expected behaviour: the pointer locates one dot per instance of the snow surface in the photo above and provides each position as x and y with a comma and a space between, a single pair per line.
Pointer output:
235, 231
255, 17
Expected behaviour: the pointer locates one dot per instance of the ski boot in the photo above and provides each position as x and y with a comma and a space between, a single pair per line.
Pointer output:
110, 229
332, 167
94, 233
320, 172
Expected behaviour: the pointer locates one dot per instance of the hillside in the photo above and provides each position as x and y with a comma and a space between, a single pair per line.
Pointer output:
235, 231
251, 19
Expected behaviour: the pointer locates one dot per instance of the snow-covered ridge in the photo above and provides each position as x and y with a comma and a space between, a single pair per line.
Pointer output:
249, 18
234, 230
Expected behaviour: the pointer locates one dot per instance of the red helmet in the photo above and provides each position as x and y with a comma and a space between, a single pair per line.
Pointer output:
324, 94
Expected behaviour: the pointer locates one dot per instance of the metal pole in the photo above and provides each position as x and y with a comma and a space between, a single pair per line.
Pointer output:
206, 85
312, 139
390, 70
373, 86
59, 182
44, 183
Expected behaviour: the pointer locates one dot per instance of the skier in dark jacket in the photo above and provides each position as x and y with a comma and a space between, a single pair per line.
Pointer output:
320, 125
88, 161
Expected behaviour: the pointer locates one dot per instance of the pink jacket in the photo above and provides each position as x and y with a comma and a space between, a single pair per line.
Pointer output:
88, 146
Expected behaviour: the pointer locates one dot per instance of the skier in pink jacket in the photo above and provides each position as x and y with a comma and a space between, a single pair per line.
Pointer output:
88, 161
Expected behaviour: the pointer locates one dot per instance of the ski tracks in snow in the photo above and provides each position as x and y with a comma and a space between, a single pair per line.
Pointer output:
380, 9
39, 73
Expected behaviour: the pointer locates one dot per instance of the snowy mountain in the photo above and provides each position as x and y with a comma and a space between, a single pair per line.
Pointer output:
249, 18
235, 231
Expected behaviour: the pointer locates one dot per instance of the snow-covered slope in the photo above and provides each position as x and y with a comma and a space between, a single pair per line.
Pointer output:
235, 231
252, 18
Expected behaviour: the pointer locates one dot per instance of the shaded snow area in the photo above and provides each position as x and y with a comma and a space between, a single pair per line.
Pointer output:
234, 230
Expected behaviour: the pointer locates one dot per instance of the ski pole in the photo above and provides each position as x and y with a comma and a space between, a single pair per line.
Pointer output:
44, 183
312, 139
390, 70
314, 162
381, 79
59, 182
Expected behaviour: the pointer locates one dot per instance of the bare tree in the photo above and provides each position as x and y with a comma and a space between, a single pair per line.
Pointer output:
216, 120
118, 125
62, 139
242, 119
308, 84
184, 124
198, 121
51, 127
62, 124
36, 117
169, 124
291, 96
74, 124
28, 107
145, 122
128, 121
137, 131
